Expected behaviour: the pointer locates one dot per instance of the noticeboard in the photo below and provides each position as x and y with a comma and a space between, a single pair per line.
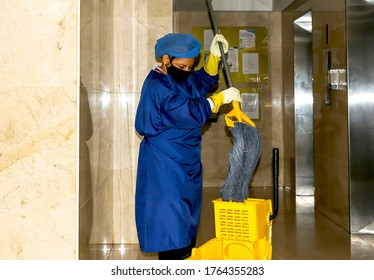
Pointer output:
248, 51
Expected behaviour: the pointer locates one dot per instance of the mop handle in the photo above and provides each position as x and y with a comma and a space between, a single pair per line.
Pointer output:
223, 57
236, 112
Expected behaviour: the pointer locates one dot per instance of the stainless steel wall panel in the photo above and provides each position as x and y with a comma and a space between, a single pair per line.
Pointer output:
360, 57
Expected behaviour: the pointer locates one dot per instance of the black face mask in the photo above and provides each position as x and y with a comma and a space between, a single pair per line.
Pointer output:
177, 74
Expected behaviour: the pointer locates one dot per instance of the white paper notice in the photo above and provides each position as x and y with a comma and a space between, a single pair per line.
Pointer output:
250, 105
247, 39
250, 63
208, 38
232, 59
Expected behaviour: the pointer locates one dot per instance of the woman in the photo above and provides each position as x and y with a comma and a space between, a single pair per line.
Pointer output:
170, 114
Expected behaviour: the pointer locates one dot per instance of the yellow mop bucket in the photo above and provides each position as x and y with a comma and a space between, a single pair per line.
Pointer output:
242, 221
242, 229
221, 249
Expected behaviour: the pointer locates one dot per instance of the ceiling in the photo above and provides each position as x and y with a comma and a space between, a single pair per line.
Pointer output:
231, 5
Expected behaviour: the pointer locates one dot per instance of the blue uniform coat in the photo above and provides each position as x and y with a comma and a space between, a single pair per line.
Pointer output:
169, 177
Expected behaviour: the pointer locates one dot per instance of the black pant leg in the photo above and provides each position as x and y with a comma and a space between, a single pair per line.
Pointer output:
177, 254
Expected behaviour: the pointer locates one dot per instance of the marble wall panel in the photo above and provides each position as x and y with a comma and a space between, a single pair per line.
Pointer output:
88, 95
37, 234
117, 56
124, 217
137, 27
89, 43
322, 193
38, 100
85, 227
85, 134
39, 31
102, 222
106, 47
100, 149
330, 121
340, 208
126, 136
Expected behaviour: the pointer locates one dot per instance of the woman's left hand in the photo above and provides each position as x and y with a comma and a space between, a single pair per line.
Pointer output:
214, 47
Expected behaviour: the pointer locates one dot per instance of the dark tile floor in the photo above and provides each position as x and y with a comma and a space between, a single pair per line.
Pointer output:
298, 233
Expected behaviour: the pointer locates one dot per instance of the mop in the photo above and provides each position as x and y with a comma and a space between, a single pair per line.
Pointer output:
247, 143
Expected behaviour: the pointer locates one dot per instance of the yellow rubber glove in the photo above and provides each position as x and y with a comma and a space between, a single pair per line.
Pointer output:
212, 65
214, 47
214, 58
224, 97
217, 100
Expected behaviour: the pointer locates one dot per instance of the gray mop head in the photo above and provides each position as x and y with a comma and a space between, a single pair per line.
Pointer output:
244, 156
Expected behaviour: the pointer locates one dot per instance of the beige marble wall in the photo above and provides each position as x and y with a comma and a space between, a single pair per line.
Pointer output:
96, 123
331, 165
217, 141
117, 52
38, 129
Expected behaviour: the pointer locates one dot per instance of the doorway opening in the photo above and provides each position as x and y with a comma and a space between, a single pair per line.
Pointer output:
303, 94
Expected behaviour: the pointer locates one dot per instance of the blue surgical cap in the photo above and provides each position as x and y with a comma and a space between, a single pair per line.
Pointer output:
178, 45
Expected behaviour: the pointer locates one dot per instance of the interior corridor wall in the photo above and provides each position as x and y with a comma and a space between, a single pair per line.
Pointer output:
360, 38
117, 52
38, 129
